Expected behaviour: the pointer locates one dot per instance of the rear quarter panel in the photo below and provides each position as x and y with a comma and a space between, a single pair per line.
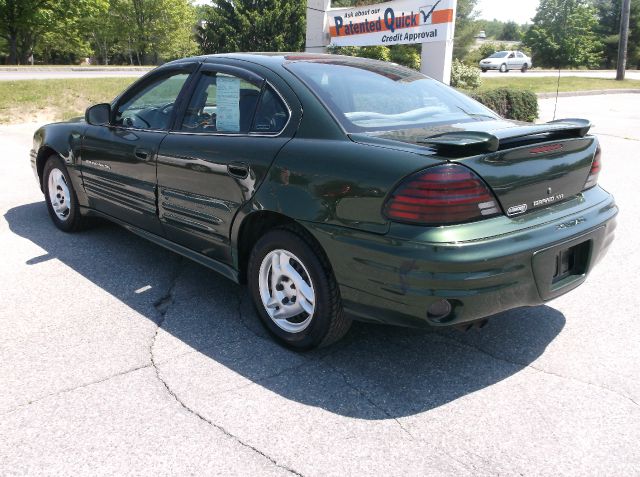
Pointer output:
337, 182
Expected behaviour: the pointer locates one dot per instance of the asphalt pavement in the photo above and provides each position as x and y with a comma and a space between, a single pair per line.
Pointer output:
610, 74
120, 358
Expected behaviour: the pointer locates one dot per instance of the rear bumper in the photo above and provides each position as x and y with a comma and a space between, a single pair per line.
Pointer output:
498, 265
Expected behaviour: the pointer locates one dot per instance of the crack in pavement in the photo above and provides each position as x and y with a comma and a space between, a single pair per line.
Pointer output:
480, 350
369, 400
163, 305
75, 388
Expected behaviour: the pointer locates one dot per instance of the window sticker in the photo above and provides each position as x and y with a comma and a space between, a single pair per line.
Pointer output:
228, 104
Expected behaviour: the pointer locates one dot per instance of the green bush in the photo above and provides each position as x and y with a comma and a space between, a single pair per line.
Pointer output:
510, 103
463, 76
406, 55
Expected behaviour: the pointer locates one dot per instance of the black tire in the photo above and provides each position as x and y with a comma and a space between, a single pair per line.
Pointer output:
484, 70
525, 67
327, 323
73, 221
503, 68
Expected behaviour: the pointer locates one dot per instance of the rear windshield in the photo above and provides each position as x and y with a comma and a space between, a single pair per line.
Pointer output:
499, 54
376, 96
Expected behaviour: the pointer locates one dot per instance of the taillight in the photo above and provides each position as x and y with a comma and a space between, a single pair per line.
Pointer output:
446, 194
596, 165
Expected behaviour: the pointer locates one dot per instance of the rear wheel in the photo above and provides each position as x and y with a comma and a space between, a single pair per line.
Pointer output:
484, 70
294, 290
525, 67
60, 196
503, 68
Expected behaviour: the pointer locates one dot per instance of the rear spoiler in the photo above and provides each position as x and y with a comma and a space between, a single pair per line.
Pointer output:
464, 143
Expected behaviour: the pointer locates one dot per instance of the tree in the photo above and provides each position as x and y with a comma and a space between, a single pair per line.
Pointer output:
492, 28
21, 23
562, 34
608, 28
510, 32
149, 31
64, 39
253, 25
466, 28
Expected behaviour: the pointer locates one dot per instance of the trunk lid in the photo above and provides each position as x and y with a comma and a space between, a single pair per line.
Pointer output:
528, 166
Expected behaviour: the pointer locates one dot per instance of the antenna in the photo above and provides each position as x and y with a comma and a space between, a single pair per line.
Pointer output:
555, 106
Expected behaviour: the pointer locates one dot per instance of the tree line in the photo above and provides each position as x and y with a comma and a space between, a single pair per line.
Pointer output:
563, 33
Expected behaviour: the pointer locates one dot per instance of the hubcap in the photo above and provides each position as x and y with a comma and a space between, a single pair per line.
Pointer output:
286, 291
59, 194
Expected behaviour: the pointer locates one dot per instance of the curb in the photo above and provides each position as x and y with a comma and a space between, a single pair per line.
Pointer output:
568, 94
75, 68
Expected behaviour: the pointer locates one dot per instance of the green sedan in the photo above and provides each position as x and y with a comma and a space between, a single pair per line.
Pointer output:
336, 188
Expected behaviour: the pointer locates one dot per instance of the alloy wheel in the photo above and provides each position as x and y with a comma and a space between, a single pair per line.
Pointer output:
286, 291
59, 194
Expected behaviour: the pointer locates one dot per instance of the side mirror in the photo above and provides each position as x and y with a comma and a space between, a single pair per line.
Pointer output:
98, 114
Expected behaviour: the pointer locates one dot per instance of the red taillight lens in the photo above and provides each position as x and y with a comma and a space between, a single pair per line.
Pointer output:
596, 165
447, 194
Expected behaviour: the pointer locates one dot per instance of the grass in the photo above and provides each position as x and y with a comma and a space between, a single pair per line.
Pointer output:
55, 99
60, 99
549, 84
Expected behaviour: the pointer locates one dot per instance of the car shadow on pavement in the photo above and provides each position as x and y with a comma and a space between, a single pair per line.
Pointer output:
208, 327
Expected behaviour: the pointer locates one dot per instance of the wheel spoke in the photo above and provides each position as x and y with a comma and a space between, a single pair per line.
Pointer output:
304, 289
275, 265
306, 305
272, 303
286, 312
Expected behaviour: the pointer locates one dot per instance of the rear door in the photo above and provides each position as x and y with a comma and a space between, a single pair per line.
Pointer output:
512, 61
221, 148
119, 159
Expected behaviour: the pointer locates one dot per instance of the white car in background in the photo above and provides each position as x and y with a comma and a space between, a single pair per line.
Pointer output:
504, 61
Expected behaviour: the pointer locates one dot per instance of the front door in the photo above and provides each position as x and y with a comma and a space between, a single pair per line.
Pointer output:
233, 127
119, 160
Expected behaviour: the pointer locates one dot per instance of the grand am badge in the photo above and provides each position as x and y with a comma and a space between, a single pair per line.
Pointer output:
548, 200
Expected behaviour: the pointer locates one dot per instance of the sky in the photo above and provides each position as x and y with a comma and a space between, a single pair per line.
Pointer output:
519, 11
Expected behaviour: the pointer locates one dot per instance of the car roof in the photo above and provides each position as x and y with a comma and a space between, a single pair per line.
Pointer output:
270, 59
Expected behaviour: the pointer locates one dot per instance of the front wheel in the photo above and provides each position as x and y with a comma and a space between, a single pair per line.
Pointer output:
503, 68
484, 70
294, 290
60, 196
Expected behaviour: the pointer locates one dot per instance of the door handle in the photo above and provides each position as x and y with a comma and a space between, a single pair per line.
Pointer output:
142, 154
238, 169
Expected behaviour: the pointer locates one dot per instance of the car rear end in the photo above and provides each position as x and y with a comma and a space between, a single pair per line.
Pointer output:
484, 233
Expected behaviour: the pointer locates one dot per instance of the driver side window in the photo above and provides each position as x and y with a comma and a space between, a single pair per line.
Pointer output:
152, 106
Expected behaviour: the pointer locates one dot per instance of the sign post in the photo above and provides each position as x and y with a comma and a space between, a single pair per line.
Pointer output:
400, 22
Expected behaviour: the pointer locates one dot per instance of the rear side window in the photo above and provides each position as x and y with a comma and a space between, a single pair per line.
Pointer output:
271, 115
221, 103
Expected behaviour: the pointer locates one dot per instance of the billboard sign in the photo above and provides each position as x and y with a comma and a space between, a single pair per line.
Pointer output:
392, 23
